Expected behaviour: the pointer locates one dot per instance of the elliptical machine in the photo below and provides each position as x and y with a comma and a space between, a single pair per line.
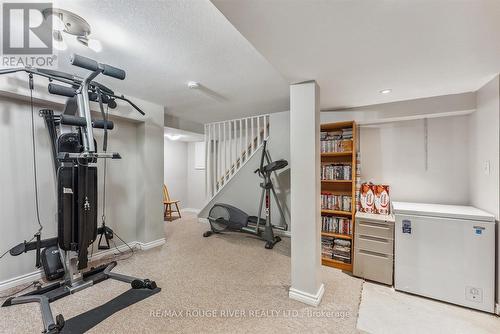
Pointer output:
75, 156
225, 217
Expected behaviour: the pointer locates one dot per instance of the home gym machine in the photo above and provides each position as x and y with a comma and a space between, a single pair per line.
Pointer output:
75, 160
225, 217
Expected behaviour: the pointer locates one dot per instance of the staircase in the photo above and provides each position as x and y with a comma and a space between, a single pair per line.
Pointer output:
228, 146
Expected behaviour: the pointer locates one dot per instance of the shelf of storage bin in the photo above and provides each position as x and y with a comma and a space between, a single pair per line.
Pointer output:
336, 235
336, 181
337, 264
336, 154
336, 212
343, 187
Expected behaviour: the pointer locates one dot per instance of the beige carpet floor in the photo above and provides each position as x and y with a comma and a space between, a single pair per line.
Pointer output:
221, 284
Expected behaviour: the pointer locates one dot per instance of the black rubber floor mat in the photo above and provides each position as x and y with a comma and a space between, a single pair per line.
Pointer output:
85, 321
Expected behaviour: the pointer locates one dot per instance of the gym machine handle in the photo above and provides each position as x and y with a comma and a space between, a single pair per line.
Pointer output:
131, 103
73, 120
61, 90
93, 65
81, 121
114, 72
99, 124
71, 92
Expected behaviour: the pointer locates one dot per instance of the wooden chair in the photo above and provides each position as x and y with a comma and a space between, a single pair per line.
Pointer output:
168, 203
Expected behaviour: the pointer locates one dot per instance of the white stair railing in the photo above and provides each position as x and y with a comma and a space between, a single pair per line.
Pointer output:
229, 145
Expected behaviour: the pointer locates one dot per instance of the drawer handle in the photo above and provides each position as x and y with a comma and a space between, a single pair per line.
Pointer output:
372, 238
375, 254
383, 227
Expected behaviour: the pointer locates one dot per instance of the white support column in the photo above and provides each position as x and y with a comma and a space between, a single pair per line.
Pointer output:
305, 194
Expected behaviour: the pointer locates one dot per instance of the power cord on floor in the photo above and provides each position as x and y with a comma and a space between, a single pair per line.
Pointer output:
35, 284
122, 252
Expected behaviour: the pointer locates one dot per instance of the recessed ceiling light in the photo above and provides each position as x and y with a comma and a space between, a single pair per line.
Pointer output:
193, 84
173, 136
385, 91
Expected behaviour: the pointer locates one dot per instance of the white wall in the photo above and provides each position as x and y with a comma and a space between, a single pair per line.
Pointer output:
175, 170
196, 194
484, 149
394, 154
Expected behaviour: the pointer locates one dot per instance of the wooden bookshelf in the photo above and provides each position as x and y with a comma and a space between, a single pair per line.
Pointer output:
336, 235
337, 154
336, 181
341, 187
336, 264
336, 213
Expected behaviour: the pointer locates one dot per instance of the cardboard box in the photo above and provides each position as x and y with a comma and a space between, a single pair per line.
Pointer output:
367, 198
382, 199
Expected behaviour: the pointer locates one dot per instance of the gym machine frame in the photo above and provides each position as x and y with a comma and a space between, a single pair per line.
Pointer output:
74, 254
234, 219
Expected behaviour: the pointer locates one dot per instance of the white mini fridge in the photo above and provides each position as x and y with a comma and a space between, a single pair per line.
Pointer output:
445, 252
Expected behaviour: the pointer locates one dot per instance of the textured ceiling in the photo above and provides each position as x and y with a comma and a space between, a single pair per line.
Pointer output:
354, 49
164, 44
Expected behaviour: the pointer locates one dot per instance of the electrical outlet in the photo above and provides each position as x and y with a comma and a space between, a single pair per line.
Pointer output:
474, 294
487, 167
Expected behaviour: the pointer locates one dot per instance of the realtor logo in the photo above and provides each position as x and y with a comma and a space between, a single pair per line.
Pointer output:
25, 30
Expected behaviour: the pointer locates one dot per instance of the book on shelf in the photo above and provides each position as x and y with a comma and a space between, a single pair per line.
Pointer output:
330, 201
341, 250
336, 171
336, 249
327, 247
338, 225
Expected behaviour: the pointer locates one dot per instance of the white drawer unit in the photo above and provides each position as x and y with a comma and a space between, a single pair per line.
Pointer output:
374, 247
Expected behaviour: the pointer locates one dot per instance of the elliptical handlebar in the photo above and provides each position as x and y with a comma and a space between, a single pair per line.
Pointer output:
260, 170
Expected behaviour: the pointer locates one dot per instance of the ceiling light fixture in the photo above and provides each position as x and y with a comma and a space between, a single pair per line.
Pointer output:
173, 136
71, 24
193, 84
385, 91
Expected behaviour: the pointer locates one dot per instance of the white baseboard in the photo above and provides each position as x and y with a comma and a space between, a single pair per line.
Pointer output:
286, 234
497, 309
193, 210
21, 280
151, 244
38, 274
307, 298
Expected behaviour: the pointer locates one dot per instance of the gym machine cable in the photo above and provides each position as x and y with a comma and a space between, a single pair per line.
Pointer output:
75, 160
